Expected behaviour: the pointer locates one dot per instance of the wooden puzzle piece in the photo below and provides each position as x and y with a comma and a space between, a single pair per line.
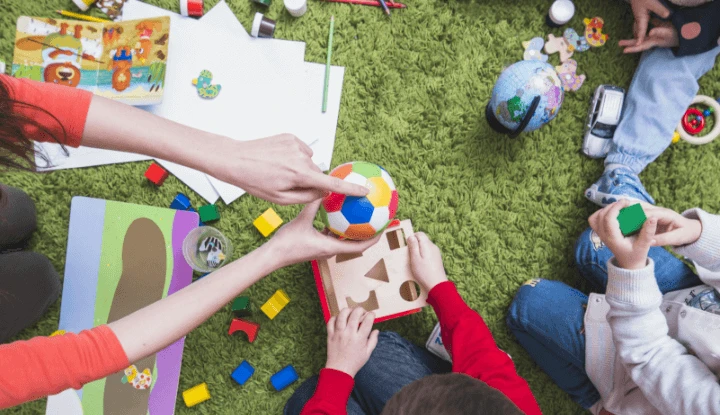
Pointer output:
576, 43
568, 75
204, 86
533, 50
558, 45
593, 31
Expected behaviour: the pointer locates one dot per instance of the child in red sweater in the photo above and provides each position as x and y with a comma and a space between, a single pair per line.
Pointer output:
368, 372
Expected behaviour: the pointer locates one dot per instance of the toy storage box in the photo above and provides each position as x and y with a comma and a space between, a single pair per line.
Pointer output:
379, 279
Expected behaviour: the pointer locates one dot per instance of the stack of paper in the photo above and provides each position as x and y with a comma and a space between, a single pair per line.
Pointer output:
267, 89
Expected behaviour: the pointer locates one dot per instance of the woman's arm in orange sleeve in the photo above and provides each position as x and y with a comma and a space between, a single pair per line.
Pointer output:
45, 366
60, 110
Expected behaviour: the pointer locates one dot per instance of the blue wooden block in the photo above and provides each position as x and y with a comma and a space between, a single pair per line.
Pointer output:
242, 373
284, 378
181, 202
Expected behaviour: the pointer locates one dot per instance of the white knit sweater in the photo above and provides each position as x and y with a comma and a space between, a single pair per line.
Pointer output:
652, 354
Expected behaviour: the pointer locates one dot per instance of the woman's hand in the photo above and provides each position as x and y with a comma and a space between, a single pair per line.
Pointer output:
630, 252
673, 228
299, 241
426, 261
278, 169
350, 340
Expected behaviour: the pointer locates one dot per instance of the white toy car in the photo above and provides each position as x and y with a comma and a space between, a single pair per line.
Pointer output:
604, 116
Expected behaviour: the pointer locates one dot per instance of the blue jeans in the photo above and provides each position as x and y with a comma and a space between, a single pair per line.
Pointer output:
661, 91
394, 363
546, 316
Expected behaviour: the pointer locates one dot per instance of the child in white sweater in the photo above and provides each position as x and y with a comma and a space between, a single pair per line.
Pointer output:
651, 343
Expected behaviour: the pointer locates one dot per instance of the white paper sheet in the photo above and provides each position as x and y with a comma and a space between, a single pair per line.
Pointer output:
317, 128
256, 100
271, 63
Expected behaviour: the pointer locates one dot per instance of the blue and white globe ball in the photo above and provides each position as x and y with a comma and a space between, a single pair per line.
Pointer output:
515, 90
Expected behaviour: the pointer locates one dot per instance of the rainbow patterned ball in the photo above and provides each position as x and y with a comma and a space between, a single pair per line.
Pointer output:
361, 217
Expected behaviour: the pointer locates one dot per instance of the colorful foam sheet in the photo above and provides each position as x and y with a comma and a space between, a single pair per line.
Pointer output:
120, 258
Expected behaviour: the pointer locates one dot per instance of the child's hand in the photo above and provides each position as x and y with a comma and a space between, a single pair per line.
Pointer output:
426, 261
630, 252
663, 35
641, 10
299, 241
673, 228
350, 342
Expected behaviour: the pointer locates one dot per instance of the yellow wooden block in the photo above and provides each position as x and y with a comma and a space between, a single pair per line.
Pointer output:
276, 303
196, 394
58, 333
268, 222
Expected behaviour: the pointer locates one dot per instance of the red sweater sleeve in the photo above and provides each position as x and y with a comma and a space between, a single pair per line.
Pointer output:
63, 109
331, 395
45, 366
473, 349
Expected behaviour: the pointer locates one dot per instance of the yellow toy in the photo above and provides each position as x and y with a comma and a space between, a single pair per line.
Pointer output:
196, 395
58, 333
275, 304
268, 222
676, 137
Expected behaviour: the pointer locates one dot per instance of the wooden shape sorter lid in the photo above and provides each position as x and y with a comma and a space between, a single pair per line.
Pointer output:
380, 280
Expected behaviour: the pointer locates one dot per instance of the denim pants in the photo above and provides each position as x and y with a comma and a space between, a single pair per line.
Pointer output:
546, 316
661, 91
394, 363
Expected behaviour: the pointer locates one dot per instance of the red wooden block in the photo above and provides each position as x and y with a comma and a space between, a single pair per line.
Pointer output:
247, 327
156, 174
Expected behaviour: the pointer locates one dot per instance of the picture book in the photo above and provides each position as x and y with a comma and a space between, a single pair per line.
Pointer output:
124, 61
120, 258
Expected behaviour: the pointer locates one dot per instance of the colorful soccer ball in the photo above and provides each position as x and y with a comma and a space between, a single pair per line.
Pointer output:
361, 217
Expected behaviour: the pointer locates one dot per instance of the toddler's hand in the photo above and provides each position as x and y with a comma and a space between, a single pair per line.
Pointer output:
673, 228
630, 252
426, 261
350, 342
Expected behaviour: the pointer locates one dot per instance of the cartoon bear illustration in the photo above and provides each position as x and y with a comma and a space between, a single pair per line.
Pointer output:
62, 54
122, 62
143, 47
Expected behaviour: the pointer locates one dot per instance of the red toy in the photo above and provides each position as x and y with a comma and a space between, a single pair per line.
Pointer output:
693, 121
247, 327
156, 174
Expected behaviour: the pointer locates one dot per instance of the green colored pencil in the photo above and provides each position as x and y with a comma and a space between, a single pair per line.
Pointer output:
327, 66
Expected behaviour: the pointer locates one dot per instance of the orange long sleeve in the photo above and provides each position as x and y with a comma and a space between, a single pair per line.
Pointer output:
61, 110
45, 366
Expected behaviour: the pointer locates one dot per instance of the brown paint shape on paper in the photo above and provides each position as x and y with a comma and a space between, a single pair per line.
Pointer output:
141, 283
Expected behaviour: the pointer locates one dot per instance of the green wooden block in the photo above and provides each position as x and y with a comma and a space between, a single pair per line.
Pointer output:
208, 213
241, 307
631, 219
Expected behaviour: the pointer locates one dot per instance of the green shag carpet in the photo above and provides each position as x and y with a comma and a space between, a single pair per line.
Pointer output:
416, 86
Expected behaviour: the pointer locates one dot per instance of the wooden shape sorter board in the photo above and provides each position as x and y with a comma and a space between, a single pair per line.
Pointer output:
379, 280
120, 258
